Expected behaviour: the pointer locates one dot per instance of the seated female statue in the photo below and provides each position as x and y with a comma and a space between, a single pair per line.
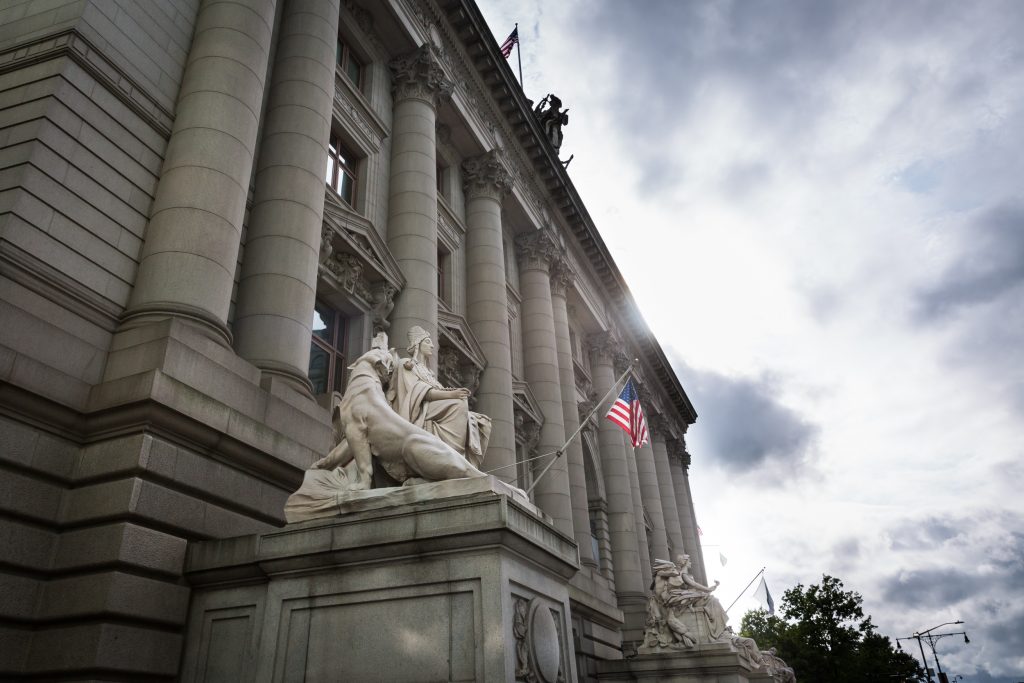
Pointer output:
416, 395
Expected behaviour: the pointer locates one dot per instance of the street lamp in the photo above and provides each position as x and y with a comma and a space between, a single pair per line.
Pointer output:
932, 638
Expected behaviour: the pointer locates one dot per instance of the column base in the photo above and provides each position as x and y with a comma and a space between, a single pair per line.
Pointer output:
208, 325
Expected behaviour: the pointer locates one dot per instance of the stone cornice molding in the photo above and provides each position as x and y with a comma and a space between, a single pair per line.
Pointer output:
72, 44
537, 251
418, 75
486, 176
563, 276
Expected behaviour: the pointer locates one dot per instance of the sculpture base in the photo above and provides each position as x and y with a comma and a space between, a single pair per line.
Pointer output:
705, 663
472, 586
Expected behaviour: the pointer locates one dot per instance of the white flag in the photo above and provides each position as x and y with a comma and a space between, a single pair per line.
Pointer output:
723, 559
764, 596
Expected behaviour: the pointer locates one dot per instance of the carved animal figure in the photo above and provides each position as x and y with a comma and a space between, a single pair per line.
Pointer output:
371, 428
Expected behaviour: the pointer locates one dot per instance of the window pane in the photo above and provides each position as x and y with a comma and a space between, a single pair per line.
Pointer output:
330, 170
347, 186
353, 69
319, 365
323, 323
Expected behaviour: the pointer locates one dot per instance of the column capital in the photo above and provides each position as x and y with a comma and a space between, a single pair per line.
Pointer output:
562, 277
537, 251
677, 448
603, 346
583, 410
659, 425
418, 75
485, 176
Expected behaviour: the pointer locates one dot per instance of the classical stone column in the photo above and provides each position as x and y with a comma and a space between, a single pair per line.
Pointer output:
651, 494
562, 277
679, 463
615, 454
277, 288
669, 507
642, 540
187, 264
537, 251
418, 84
485, 183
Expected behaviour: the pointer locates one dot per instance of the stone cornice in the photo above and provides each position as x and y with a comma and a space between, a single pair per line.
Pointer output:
74, 45
537, 251
486, 176
418, 75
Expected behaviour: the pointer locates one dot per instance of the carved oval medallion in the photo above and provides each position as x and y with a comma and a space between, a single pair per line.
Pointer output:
544, 646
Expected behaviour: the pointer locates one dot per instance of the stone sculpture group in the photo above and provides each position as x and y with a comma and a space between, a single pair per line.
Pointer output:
682, 614
396, 411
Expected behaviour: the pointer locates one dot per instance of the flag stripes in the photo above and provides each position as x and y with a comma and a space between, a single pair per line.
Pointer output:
627, 413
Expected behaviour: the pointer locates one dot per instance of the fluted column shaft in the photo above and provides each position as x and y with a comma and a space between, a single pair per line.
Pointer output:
562, 278
187, 264
615, 453
678, 462
277, 288
651, 493
537, 252
418, 84
486, 181
669, 507
643, 543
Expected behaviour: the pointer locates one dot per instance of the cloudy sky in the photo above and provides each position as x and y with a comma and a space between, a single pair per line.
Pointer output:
819, 207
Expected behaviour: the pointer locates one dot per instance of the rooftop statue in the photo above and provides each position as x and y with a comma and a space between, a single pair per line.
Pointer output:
551, 119
368, 427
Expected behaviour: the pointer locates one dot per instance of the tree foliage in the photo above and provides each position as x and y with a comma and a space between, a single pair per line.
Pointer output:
824, 635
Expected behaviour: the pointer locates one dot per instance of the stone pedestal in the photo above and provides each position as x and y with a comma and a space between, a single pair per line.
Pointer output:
469, 587
705, 663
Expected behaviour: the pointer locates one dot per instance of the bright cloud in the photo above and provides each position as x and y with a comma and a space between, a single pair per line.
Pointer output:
835, 189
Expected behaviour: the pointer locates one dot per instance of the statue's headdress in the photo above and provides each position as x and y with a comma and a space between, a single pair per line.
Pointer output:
416, 335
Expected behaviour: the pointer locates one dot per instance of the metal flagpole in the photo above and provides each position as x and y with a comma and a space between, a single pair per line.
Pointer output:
745, 589
519, 57
583, 423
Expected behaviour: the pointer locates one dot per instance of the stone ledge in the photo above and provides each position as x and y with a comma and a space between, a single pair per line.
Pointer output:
704, 663
474, 513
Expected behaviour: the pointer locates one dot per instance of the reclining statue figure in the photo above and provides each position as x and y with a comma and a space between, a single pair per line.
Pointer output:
368, 427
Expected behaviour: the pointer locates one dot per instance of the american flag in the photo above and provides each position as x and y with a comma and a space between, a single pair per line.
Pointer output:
513, 39
627, 413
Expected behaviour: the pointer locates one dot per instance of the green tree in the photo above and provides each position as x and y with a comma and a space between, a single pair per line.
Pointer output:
824, 635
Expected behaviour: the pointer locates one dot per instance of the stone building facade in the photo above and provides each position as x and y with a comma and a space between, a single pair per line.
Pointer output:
181, 293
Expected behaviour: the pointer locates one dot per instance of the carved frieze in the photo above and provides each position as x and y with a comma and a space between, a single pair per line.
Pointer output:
382, 302
537, 250
486, 176
419, 75
348, 270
